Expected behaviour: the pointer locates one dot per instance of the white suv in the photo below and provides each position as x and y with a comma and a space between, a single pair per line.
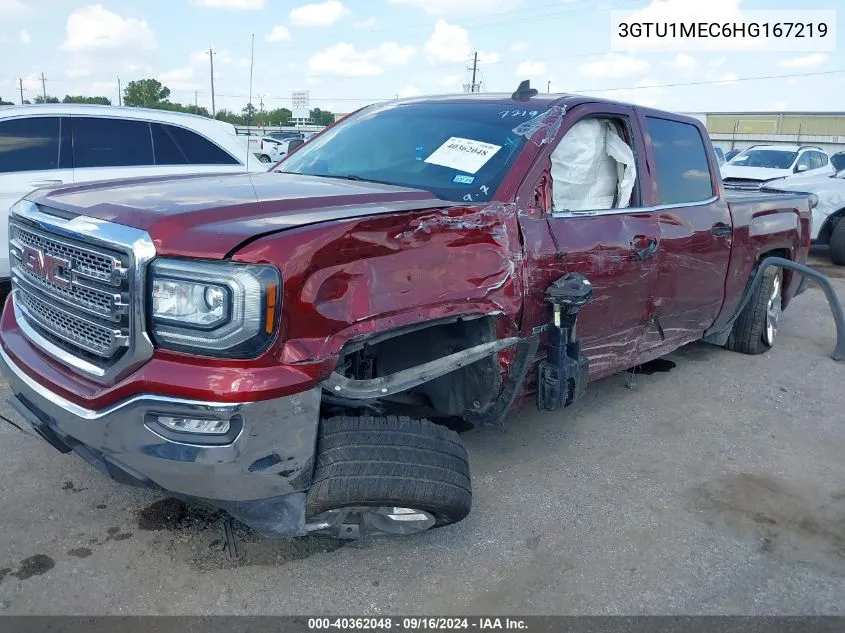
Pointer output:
759, 163
48, 145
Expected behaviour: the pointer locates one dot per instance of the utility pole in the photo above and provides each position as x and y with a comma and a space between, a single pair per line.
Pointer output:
548, 86
251, 62
196, 102
474, 87
119, 93
213, 106
44, 87
20, 84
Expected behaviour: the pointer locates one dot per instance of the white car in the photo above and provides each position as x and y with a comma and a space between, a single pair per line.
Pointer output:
273, 150
48, 145
829, 212
759, 163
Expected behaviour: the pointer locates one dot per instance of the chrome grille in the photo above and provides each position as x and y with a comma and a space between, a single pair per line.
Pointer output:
76, 285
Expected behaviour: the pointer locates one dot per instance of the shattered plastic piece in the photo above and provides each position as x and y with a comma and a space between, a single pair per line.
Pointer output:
542, 128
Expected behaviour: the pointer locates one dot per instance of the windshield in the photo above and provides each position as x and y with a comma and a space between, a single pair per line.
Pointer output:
457, 151
769, 158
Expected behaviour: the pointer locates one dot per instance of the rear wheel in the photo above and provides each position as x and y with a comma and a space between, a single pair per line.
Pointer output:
837, 243
756, 328
264, 158
378, 476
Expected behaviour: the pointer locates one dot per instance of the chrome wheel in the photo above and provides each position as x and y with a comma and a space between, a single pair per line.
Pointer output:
773, 312
355, 522
264, 158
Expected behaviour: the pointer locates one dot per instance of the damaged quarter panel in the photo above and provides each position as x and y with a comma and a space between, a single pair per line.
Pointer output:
350, 279
765, 223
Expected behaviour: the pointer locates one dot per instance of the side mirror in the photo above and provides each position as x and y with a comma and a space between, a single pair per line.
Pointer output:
800, 168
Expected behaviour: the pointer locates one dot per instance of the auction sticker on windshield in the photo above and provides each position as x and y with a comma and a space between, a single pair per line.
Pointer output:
463, 154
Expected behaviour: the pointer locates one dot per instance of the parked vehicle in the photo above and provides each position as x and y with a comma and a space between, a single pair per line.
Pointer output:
838, 161
828, 214
284, 134
720, 155
730, 154
759, 163
273, 150
53, 144
297, 347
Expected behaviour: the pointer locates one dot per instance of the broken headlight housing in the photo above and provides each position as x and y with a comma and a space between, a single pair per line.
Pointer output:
224, 309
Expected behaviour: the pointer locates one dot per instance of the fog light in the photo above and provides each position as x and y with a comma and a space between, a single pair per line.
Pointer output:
194, 425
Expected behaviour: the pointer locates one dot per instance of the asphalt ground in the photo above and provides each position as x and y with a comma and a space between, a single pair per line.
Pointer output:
715, 487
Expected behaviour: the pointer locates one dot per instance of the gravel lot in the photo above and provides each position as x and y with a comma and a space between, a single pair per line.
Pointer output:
716, 487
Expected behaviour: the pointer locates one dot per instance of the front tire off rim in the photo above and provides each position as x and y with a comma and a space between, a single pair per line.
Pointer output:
355, 522
773, 312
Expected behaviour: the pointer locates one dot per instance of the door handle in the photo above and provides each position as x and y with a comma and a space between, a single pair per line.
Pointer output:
44, 183
721, 230
640, 251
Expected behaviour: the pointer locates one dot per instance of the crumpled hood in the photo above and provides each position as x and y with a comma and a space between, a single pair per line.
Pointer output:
210, 215
752, 173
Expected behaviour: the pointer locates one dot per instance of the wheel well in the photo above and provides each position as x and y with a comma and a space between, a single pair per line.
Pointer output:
787, 274
448, 398
829, 224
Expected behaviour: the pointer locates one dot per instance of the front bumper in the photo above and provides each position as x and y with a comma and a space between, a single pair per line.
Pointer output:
270, 455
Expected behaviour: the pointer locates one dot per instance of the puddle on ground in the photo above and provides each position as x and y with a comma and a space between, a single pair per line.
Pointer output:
806, 525
34, 566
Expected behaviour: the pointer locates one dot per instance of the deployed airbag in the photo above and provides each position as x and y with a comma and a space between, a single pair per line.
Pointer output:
592, 168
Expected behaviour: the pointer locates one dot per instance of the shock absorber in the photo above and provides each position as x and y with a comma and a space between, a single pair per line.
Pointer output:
563, 375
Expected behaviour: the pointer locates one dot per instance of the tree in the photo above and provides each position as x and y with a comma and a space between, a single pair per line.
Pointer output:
249, 113
322, 117
147, 93
81, 99
2, 103
47, 99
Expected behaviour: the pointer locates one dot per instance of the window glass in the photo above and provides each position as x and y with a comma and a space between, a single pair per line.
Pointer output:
30, 144
681, 168
768, 158
457, 151
175, 145
103, 142
823, 159
805, 160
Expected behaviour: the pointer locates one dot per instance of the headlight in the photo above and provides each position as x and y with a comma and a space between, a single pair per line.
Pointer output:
213, 308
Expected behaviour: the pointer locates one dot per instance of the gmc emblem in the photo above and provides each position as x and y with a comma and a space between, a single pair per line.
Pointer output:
45, 266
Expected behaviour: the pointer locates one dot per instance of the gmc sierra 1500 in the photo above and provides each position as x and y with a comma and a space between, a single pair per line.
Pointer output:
298, 347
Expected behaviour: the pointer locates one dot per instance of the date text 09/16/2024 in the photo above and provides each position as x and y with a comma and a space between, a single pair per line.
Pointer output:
417, 624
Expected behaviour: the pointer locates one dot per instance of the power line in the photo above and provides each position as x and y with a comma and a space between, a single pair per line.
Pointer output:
730, 80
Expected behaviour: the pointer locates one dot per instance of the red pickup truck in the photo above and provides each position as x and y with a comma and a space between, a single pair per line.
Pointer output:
300, 347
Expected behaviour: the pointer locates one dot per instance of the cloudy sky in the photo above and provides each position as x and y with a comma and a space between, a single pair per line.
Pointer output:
351, 52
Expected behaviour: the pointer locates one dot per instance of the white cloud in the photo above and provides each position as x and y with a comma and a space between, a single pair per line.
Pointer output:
728, 78
410, 91
13, 7
235, 5
462, 8
531, 69
807, 61
77, 72
486, 57
193, 75
343, 60
95, 29
24, 37
324, 14
652, 84
369, 23
685, 61
448, 42
519, 46
278, 34
614, 67
180, 78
